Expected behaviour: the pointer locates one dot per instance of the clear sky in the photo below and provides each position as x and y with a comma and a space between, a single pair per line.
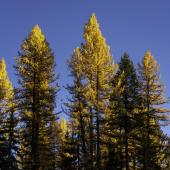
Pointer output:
131, 26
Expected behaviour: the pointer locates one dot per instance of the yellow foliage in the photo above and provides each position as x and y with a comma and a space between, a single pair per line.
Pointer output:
151, 66
97, 57
6, 89
28, 114
36, 40
63, 128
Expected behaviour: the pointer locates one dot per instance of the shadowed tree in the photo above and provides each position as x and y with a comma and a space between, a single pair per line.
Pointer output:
8, 122
122, 122
68, 159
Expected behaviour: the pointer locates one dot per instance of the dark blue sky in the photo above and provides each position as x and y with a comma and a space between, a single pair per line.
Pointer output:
128, 25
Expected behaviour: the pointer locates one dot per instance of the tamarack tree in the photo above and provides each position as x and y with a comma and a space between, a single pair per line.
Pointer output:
8, 121
36, 97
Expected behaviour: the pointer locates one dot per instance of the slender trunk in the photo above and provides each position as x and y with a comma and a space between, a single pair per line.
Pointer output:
35, 129
98, 143
11, 131
148, 156
83, 141
98, 156
82, 130
78, 154
120, 153
91, 139
126, 136
126, 153
33, 147
91, 136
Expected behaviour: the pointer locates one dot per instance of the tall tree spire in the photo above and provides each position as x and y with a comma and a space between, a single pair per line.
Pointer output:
8, 121
152, 92
37, 91
98, 69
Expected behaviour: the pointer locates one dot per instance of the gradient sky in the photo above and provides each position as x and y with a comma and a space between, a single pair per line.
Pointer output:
131, 26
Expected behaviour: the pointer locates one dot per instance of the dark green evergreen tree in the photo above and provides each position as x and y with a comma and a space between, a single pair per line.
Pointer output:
123, 118
68, 151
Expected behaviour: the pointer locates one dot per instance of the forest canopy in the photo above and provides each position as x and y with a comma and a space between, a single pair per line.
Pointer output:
115, 111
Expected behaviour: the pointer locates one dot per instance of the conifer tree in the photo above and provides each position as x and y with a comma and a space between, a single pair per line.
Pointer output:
36, 100
54, 136
122, 121
8, 121
98, 68
152, 92
77, 106
112, 126
68, 159
92, 69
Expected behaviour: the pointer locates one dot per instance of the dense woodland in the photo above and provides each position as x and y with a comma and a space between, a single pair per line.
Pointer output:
114, 111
